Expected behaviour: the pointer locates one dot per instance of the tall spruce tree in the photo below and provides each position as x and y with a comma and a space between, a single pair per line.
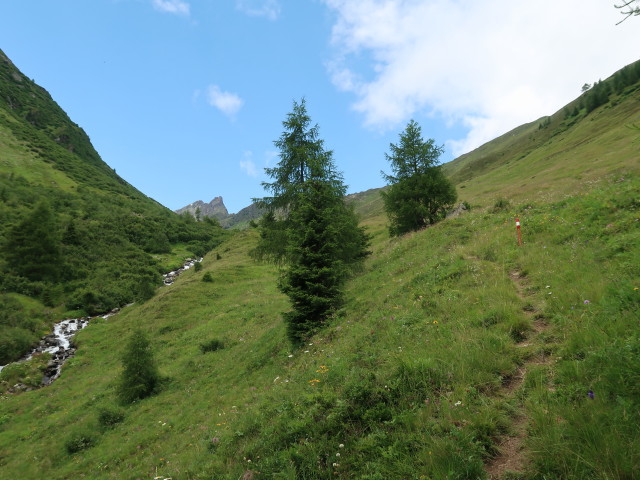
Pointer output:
419, 193
315, 274
307, 226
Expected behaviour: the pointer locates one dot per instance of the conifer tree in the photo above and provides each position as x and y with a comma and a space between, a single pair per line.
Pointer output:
315, 275
307, 226
32, 247
140, 376
419, 193
302, 158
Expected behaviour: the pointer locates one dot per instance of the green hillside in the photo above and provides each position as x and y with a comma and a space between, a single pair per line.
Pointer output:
561, 153
75, 238
458, 354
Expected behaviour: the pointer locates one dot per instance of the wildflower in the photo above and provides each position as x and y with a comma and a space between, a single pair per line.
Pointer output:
435, 322
341, 445
336, 464
338, 454
314, 382
591, 395
458, 403
586, 302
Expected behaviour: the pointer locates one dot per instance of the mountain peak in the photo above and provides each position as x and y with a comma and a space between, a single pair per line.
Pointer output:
215, 208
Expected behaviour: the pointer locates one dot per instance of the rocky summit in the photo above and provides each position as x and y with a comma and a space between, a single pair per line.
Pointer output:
215, 208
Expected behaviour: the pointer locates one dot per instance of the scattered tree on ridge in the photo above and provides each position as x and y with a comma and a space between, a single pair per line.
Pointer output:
140, 376
308, 226
419, 194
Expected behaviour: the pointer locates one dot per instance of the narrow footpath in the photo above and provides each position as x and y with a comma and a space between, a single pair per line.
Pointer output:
511, 457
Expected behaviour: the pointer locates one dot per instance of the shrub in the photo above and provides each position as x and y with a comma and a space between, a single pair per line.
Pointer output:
109, 417
501, 204
207, 277
78, 441
212, 345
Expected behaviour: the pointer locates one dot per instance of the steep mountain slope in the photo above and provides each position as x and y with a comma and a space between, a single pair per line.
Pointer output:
458, 354
73, 234
560, 153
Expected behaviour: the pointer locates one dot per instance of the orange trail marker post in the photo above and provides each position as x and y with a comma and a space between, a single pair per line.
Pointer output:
518, 230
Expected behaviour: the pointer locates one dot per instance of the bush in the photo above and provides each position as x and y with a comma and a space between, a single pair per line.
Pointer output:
207, 277
79, 441
14, 342
501, 204
109, 417
212, 345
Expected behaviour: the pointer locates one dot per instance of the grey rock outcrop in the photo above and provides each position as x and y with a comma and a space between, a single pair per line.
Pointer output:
215, 208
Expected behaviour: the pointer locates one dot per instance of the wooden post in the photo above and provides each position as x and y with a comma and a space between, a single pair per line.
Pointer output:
518, 230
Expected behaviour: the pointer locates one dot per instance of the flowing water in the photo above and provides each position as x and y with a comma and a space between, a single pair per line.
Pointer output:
59, 343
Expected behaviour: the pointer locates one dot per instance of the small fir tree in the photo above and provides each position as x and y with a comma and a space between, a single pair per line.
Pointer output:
419, 193
140, 376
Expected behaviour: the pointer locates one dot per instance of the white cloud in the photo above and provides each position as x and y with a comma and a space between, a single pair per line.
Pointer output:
228, 103
248, 166
260, 8
489, 65
178, 7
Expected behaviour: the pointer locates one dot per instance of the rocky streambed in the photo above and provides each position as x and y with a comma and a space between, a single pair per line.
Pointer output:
59, 343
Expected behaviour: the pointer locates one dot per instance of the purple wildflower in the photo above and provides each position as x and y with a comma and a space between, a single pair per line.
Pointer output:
591, 395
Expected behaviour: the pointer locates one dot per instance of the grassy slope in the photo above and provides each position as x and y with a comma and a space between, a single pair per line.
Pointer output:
21, 161
107, 230
530, 162
451, 341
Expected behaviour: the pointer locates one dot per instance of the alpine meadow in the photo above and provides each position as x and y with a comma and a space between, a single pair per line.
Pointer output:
327, 340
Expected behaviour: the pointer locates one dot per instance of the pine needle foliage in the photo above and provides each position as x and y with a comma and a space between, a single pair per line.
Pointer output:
419, 193
308, 228
140, 377
314, 279
32, 247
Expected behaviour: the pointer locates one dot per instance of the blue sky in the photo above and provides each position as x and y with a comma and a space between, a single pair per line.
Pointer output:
184, 98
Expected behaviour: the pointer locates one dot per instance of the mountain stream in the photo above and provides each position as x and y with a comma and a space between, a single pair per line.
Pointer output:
59, 343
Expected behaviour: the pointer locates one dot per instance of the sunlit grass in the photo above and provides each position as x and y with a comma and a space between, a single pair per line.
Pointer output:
410, 378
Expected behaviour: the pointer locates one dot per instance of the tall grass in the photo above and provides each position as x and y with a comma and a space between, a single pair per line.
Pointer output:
407, 380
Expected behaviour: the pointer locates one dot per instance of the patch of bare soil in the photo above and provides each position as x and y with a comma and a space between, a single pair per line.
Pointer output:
511, 455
